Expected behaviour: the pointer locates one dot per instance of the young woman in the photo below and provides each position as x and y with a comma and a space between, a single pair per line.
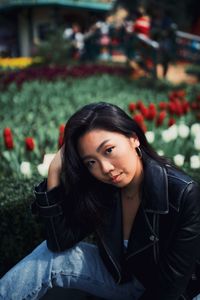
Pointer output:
145, 214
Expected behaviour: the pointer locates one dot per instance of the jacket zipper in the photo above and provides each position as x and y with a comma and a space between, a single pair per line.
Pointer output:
138, 251
110, 257
155, 246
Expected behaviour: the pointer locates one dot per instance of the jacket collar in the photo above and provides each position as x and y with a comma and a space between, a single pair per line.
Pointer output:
154, 187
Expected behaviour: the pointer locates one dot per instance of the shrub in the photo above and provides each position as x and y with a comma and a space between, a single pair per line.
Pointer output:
194, 70
20, 232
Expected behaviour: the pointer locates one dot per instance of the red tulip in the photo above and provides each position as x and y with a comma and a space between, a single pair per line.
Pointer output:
144, 111
180, 93
60, 141
163, 105
171, 122
143, 127
172, 108
151, 112
8, 140
152, 106
7, 132
194, 105
131, 107
139, 104
30, 144
138, 118
172, 96
62, 128
178, 108
160, 118
185, 106
151, 115
61, 135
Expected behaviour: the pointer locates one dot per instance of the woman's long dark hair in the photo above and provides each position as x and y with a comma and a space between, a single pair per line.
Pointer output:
88, 193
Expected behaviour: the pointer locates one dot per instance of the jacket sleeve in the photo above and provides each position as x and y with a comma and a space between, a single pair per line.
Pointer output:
63, 229
177, 263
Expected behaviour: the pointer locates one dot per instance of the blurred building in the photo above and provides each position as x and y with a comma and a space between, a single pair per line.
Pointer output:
27, 22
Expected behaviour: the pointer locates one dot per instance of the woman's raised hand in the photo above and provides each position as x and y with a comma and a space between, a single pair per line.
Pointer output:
55, 171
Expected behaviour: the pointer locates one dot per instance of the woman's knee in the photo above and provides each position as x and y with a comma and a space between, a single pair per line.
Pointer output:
75, 259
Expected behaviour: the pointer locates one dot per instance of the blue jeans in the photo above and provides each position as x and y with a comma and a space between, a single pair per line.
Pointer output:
79, 268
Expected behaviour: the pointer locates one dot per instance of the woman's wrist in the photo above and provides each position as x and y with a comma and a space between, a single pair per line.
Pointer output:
54, 171
53, 178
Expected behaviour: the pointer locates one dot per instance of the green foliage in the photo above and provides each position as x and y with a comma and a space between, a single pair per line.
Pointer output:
54, 50
194, 70
19, 230
38, 109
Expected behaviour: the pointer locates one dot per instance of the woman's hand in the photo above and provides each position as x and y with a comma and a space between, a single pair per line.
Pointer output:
55, 171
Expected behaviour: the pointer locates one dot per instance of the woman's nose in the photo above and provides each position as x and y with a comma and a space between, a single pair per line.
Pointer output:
106, 167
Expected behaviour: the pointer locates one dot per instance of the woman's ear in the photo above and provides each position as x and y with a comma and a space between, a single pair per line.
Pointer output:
134, 141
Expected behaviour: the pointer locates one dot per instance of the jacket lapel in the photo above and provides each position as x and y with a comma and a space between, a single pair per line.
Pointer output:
142, 234
154, 202
112, 232
155, 187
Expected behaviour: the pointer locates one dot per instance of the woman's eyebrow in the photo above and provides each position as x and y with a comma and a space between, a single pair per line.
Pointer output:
97, 149
101, 145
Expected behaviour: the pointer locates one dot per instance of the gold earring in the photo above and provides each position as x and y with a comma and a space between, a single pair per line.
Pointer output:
139, 152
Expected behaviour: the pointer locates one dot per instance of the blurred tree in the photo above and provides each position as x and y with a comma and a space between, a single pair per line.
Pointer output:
54, 50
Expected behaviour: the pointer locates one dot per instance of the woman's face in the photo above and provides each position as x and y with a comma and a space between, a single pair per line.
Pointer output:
110, 156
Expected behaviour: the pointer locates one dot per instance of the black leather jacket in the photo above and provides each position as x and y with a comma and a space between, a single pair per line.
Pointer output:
164, 246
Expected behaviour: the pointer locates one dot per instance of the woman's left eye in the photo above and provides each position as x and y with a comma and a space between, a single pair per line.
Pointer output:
109, 150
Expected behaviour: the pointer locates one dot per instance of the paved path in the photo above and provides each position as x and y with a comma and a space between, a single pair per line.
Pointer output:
176, 74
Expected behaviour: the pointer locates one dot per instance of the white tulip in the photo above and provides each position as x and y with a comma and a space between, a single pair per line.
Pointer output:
25, 169
179, 160
195, 162
150, 136
173, 131
166, 136
197, 143
160, 152
170, 134
48, 158
42, 170
183, 131
195, 129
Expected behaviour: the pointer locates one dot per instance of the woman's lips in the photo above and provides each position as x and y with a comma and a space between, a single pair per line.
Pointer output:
116, 178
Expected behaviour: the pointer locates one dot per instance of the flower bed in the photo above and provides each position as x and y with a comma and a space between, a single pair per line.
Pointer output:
171, 128
52, 73
18, 62
33, 118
